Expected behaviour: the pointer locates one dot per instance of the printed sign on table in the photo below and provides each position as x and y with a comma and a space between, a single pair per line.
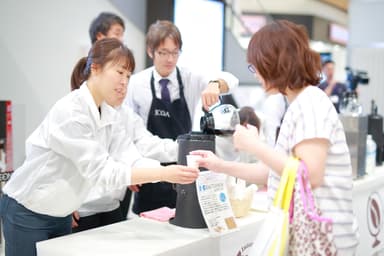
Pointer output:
214, 202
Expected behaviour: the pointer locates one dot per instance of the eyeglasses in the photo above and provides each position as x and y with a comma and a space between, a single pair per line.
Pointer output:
165, 54
251, 68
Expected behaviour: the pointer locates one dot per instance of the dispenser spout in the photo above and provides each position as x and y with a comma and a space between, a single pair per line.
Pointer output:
373, 107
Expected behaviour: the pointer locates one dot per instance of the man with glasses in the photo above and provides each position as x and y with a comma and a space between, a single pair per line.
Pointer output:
165, 96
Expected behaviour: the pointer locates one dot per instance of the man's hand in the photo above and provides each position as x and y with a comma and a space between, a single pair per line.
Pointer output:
135, 188
211, 94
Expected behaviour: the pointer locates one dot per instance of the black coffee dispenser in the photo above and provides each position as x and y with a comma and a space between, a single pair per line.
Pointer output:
188, 211
375, 128
220, 120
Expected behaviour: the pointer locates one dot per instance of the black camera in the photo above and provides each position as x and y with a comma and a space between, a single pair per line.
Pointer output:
356, 77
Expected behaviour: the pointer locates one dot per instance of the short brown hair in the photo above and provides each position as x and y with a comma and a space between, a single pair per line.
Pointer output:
159, 31
281, 54
248, 116
103, 23
327, 62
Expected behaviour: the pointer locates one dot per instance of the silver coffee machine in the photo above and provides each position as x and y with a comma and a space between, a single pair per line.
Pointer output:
356, 128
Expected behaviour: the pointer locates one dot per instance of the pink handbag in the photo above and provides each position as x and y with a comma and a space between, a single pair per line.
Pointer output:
310, 233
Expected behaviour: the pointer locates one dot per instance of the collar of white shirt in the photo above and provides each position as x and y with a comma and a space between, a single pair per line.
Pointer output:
108, 114
172, 78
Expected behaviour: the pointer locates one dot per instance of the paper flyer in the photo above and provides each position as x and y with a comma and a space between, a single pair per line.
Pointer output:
214, 202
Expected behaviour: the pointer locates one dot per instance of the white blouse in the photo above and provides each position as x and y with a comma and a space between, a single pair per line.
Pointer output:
69, 153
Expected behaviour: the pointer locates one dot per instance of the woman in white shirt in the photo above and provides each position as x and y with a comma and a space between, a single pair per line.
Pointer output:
280, 57
80, 144
102, 207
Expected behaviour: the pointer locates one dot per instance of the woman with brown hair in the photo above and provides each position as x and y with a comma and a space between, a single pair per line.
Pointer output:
281, 59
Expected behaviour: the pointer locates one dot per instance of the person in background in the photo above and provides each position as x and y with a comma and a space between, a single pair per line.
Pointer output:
224, 143
165, 96
80, 144
248, 116
311, 130
106, 25
109, 25
334, 89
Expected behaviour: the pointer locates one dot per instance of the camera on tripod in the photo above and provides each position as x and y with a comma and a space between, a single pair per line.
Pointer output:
350, 104
356, 77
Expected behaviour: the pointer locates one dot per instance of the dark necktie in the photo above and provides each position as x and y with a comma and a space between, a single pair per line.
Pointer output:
164, 90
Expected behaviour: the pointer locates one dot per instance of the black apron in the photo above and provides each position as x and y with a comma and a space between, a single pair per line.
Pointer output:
166, 120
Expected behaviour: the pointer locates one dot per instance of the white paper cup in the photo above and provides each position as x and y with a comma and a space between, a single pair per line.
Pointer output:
191, 160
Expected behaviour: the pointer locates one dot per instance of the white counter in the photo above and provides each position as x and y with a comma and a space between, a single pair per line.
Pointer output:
142, 236
368, 205
146, 237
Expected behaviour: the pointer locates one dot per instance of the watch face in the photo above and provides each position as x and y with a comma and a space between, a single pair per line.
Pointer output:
334, 99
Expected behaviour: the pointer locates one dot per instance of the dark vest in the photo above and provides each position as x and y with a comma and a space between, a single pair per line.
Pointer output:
166, 120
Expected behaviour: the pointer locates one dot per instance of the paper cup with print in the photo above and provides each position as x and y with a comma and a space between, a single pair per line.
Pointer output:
191, 160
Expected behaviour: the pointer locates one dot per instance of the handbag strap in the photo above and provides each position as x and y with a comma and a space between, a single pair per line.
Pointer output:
284, 192
306, 194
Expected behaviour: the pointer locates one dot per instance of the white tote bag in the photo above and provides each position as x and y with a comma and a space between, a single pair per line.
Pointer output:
273, 236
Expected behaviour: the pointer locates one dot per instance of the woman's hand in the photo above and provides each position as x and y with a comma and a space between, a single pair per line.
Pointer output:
208, 160
179, 174
244, 138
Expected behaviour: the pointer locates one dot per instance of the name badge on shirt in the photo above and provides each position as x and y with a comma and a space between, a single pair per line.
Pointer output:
161, 112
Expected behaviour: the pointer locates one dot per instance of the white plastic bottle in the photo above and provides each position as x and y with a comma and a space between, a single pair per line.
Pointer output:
370, 157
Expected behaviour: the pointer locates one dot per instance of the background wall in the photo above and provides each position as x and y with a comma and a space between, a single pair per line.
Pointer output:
40, 42
366, 48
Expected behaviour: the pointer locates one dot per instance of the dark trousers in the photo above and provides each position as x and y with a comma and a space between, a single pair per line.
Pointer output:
98, 220
124, 204
22, 228
154, 195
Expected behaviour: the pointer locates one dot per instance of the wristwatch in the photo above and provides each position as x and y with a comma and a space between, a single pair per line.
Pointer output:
215, 81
